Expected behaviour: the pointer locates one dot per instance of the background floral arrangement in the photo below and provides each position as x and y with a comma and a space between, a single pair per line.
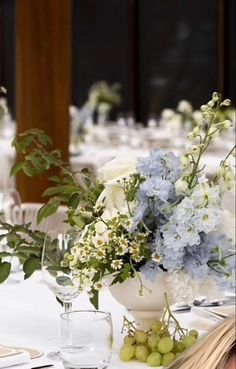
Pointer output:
186, 117
142, 215
102, 98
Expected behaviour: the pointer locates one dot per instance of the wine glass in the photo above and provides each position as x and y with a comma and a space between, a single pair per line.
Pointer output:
58, 278
10, 207
11, 213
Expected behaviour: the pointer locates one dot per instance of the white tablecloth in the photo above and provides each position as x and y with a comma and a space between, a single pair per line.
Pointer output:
29, 317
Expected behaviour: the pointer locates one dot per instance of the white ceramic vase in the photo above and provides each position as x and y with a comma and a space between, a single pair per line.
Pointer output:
146, 308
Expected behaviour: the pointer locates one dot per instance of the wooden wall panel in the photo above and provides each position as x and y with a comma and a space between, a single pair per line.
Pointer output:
43, 76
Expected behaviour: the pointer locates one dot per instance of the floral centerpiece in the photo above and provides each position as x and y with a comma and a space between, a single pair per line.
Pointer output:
143, 215
159, 212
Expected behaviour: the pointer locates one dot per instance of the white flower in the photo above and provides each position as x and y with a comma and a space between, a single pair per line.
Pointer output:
181, 187
197, 116
167, 114
100, 254
117, 264
100, 227
112, 197
205, 195
214, 132
118, 168
98, 241
184, 107
98, 285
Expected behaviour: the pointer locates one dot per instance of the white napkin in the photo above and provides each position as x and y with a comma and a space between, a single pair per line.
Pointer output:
20, 357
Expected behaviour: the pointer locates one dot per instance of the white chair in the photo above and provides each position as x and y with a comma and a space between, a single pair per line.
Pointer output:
54, 221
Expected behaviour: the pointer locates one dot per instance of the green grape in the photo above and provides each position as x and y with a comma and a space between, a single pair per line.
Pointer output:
141, 353
140, 336
129, 340
193, 333
188, 341
127, 352
178, 354
168, 358
165, 345
153, 340
178, 347
154, 359
157, 326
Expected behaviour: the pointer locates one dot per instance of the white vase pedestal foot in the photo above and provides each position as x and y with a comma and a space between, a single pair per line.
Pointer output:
144, 319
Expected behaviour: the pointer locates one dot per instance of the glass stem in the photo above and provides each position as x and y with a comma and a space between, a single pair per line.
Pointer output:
67, 306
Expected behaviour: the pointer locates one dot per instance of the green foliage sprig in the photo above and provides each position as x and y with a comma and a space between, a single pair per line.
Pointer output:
22, 243
77, 190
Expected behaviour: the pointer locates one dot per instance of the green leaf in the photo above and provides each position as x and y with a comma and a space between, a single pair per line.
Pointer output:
28, 250
125, 273
30, 265
95, 299
36, 162
51, 191
47, 210
5, 254
55, 179
5, 269
78, 220
16, 168
74, 201
28, 170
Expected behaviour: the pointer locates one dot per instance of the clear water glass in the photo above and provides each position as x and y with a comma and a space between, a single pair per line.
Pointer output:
60, 280
86, 339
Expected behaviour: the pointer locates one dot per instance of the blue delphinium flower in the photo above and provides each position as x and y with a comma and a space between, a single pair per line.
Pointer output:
157, 192
160, 164
156, 187
196, 259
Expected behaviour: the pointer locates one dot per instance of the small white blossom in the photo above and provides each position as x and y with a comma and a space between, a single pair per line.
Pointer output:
181, 187
184, 107
98, 285
167, 114
205, 195
197, 116
117, 264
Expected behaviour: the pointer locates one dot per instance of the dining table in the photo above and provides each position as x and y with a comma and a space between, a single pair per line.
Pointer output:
30, 318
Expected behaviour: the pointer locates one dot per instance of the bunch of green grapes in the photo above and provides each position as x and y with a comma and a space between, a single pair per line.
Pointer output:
157, 346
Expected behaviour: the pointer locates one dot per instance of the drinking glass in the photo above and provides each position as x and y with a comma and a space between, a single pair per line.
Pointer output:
11, 213
58, 278
10, 207
86, 339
